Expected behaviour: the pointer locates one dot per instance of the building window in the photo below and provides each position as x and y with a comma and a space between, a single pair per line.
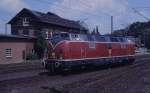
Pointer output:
25, 21
31, 32
45, 32
34, 33
8, 52
15, 32
47, 35
20, 32
25, 32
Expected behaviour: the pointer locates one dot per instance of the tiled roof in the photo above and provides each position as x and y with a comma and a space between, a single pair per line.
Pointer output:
15, 36
54, 19
57, 20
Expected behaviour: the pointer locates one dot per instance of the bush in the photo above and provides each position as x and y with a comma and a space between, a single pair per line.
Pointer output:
31, 56
40, 44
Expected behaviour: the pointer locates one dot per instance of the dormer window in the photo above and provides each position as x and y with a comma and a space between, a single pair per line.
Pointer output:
25, 21
25, 32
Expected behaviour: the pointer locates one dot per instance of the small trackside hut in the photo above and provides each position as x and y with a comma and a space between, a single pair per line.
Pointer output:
14, 49
69, 50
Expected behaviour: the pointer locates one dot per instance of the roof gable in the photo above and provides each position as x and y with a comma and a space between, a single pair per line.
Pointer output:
23, 11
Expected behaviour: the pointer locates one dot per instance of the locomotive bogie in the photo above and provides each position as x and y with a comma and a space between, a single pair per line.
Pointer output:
53, 65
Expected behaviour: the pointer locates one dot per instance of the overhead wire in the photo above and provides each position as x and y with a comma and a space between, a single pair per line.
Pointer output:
75, 10
137, 12
89, 6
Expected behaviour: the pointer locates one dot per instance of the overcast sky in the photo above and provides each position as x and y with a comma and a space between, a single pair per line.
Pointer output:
93, 12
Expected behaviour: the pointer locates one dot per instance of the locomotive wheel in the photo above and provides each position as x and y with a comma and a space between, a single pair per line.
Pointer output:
52, 69
55, 70
131, 61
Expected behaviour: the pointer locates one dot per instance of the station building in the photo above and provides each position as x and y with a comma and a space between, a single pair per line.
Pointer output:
28, 22
25, 25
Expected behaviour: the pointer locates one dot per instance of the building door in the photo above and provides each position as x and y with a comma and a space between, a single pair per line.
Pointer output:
23, 55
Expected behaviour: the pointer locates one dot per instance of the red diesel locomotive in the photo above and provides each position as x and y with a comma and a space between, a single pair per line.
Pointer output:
67, 50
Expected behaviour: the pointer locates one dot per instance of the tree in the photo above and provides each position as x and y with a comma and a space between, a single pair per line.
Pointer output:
84, 26
93, 32
97, 31
40, 44
138, 29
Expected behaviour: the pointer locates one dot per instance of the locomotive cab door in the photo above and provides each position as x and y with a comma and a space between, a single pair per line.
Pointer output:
109, 46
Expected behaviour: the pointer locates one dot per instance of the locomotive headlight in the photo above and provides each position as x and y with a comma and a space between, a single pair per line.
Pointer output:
60, 54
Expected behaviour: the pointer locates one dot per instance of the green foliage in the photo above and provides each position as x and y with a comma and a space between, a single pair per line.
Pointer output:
31, 56
137, 29
93, 32
97, 30
40, 45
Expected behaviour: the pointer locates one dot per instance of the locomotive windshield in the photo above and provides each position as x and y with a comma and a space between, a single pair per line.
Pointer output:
57, 37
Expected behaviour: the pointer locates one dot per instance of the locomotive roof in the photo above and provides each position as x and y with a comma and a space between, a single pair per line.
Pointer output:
94, 35
89, 37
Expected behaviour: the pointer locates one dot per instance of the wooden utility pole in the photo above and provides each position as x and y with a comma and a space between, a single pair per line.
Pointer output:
112, 25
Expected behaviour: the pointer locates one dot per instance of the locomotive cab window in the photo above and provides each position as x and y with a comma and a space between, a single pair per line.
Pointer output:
121, 39
95, 38
75, 37
84, 37
102, 39
65, 36
113, 39
57, 37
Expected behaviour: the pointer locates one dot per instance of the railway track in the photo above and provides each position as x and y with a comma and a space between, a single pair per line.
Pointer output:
82, 81
103, 78
20, 67
109, 79
28, 70
30, 66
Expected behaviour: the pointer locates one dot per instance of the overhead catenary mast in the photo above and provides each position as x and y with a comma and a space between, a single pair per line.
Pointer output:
112, 25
